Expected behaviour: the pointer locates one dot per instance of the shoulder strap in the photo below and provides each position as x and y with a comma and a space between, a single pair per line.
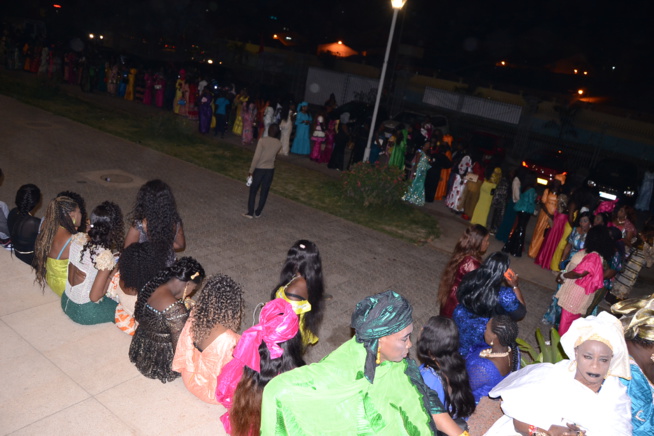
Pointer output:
64, 247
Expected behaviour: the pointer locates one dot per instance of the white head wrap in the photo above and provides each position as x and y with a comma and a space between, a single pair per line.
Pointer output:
604, 328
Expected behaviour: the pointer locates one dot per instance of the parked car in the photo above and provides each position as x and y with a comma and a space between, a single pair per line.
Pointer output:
614, 178
546, 164
409, 118
489, 145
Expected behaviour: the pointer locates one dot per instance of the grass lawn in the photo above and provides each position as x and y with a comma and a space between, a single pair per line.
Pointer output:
177, 137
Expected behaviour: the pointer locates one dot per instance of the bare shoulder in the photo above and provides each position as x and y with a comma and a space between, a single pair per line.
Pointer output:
298, 287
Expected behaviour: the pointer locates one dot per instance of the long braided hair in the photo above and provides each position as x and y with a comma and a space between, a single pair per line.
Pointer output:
220, 302
107, 229
27, 197
184, 269
506, 330
56, 215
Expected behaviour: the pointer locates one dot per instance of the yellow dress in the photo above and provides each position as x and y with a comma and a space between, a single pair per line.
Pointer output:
56, 274
558, 253
548, 200
240, 101
300, 307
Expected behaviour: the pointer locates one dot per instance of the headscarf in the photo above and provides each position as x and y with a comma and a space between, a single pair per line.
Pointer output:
277, 324
604, 328
638, 319
606, 206
304, 103
375, 317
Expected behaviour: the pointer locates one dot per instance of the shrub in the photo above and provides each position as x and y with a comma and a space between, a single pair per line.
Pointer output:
374, 184
550, 351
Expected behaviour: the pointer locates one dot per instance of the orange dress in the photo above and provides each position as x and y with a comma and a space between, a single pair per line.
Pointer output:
441, 189
200, 369
548, 200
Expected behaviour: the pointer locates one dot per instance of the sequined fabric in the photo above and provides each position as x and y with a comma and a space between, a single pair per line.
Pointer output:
153, 345
483, 373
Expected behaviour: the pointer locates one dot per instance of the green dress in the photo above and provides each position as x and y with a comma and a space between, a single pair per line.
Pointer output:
416, 193
399, 151
334, 397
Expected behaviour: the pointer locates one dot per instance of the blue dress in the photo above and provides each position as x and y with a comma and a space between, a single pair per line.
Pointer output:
483, 373
301, 143
471, 327
642, 402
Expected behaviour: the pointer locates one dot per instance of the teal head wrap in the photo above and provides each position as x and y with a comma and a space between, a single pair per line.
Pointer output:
375, 317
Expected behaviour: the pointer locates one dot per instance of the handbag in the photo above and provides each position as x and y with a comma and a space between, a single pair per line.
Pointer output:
471, 177
181, 102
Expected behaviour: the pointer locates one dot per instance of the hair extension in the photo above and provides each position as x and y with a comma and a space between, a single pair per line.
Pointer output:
506, 330
245, 414
56, 215
139, 263
479, 289
156, 204
438, 348
107, 229
303, 258
82, 207
27, 198
220, 302
469, 244
599, 240
183, 270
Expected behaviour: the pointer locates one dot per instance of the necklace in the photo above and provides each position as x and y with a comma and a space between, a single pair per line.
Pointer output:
488, 353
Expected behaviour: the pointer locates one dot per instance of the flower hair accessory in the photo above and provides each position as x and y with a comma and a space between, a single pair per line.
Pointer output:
302, 246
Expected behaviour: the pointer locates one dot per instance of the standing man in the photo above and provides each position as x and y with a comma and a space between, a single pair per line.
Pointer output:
262, 169
221, 114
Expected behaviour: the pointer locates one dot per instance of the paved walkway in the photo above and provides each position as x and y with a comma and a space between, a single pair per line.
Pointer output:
62, 378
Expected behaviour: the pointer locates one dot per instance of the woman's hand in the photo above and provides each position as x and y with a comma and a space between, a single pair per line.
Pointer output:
575, 275
569, 430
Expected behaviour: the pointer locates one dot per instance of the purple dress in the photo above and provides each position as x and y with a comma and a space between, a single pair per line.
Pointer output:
205, 113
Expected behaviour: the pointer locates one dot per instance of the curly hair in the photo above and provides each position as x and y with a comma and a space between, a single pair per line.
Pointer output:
107, 229
506, 330
469, 244
245, 414
82, 208
27, 198
438, 348
156, 204
220, 302
479, 289
56, 215
139, 263
303, 258
600, 241
185, 269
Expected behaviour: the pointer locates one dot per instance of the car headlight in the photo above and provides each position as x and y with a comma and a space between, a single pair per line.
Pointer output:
629, 193
592, 184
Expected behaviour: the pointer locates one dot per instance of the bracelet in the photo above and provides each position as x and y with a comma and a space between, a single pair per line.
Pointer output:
535, 431
465, 433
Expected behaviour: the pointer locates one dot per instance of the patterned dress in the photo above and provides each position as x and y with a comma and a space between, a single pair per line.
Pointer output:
416, 193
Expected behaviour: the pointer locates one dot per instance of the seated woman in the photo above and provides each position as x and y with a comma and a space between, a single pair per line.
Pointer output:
155, 219
23, 225
301, 284
489, 366
584, 276
138, 264
265, 350
209, 336
443, 368
483, 294
639, 333
366, 386
92, 263
53, 243
468, 251
578, 396
161, 314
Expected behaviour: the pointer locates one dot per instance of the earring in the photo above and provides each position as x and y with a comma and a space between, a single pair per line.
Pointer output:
74, 221
652, 357
378, 360
491, 344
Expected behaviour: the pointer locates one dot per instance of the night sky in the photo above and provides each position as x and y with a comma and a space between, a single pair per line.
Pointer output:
463, 37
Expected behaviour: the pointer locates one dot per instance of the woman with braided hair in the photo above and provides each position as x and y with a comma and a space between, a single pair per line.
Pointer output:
161, 313
23, 226
209, 336
92, 264
52, 248
155, 219
489, 366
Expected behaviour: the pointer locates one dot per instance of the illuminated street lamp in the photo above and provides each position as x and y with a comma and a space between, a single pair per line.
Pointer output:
397, 5
91, 36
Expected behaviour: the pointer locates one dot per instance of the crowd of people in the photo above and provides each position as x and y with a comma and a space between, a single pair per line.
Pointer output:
107, 267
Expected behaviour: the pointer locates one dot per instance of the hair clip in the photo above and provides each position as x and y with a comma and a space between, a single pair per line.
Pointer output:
194, 276
91, 225
302, 246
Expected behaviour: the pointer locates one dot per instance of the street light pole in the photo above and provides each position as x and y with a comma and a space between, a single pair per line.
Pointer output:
397, 5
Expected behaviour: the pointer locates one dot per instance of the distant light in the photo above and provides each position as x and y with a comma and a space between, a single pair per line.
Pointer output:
613, 67
288, 38
220, 63
101, 37
56, 6
575, 70
524, 164
580, 91
340, 42
503, 63
541, 181
585, 73
210, 61
275, 36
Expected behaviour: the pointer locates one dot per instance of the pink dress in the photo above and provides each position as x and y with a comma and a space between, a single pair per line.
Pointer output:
200, 369
159, 85
147, 95
330, 137
248, 115
318, 139
551, 241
